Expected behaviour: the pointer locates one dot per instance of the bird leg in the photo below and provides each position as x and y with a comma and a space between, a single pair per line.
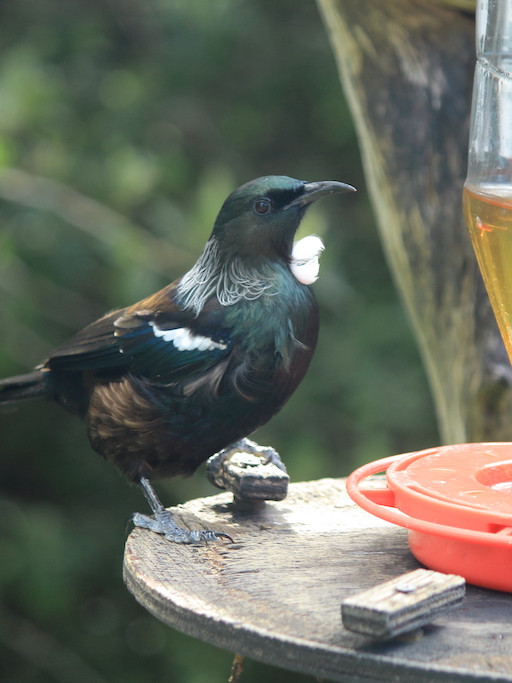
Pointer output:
162, 521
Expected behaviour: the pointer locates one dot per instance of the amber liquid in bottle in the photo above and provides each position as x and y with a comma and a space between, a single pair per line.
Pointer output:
488, 214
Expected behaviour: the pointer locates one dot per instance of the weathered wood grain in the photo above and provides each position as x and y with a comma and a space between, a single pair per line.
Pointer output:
403, 604
407, 69
275, 594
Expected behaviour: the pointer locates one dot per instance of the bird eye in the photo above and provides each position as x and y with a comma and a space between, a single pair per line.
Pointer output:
262, 206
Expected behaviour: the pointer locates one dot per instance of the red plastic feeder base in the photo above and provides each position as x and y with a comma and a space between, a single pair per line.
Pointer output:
456, 502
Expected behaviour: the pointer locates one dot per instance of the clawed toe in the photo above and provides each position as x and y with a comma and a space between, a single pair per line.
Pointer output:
163, 523
206, 536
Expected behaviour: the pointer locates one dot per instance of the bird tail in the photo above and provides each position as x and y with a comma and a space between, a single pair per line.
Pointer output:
21, 387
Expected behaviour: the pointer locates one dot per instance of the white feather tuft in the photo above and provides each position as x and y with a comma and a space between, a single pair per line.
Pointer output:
305, 264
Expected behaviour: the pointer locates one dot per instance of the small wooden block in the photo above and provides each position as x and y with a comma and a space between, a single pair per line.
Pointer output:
402, 604
250, 477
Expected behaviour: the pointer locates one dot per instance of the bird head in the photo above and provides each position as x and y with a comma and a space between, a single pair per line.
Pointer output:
254, 230
260, 218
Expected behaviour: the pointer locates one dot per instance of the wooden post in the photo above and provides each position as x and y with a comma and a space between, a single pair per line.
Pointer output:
407, 69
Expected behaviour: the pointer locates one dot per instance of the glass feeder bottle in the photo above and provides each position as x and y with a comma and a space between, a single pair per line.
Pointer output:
488, 186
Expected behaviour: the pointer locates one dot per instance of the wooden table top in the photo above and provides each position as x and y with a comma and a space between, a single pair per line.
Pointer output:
275, 593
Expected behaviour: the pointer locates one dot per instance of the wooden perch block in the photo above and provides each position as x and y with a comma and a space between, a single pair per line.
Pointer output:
251, 477
402, 604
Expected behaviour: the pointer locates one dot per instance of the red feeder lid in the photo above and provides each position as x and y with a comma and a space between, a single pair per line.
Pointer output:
456, 502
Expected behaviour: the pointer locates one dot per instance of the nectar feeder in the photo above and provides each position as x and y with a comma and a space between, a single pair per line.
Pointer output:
456, 502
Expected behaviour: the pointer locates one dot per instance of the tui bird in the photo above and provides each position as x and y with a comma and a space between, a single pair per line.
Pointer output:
164, 384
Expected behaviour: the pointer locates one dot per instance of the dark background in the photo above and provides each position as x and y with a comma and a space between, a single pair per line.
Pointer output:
123, 126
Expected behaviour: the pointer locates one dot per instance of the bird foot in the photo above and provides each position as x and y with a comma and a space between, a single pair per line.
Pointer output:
269, 454
266, 454
163, 523
251, 472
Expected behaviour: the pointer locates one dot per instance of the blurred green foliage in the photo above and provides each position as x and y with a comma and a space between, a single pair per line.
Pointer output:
123, 126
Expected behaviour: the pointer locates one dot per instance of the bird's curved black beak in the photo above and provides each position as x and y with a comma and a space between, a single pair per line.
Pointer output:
314, 191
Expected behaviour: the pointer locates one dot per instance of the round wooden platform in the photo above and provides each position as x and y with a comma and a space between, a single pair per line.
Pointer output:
275, 594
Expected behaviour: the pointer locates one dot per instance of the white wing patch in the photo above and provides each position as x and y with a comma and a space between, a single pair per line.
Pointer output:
305, 264
185, 340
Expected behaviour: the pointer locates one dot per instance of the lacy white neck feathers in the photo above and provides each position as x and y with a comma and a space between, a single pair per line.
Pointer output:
231, 281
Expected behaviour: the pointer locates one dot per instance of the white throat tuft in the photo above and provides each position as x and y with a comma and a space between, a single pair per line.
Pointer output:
305, 264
